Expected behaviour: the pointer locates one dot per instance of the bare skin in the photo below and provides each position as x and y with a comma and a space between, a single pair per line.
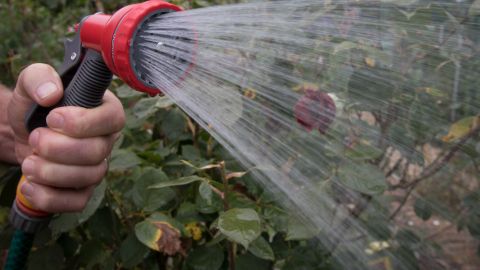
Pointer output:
7, 145
64, 162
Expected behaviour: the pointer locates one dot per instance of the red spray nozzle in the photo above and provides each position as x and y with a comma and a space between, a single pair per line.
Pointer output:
113, 36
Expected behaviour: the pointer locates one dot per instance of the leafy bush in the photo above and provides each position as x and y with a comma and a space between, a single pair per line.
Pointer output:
176, 199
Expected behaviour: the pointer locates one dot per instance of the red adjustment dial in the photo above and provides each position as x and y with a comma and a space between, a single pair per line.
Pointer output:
112, 35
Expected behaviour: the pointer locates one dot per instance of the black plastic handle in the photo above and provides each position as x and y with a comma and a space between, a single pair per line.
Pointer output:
85, 89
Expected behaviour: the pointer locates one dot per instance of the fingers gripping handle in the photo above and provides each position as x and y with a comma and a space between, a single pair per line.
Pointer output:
85, 89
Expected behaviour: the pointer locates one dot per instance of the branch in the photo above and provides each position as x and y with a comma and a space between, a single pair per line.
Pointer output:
231, 245
443, 159
394, 168
402, 181
402, 203
434, 168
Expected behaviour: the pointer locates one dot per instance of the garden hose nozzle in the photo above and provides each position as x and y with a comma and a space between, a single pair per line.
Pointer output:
119, 38
103, 45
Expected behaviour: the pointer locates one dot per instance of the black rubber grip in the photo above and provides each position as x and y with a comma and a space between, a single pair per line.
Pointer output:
86, 89
89, 83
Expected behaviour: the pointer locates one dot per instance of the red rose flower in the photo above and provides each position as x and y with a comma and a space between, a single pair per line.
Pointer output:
315, 110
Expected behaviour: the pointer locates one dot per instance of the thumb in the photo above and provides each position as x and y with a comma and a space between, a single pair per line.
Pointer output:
38, 83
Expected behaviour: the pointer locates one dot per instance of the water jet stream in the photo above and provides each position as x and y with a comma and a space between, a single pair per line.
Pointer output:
399, 74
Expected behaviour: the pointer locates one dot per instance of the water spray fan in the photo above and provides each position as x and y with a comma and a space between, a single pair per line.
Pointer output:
103, 45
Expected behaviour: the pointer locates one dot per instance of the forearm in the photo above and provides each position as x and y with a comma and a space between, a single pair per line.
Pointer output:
7, 146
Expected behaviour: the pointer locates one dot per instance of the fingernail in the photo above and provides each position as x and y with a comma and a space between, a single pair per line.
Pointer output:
27, 189
46, 89
28, 167
33, 140
55, 120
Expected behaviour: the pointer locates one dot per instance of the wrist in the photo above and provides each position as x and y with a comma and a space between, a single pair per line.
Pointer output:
7, 141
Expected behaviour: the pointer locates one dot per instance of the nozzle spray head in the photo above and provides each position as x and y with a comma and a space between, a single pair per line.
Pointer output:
119, 39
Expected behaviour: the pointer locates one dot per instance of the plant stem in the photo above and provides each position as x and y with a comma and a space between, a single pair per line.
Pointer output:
402, 204
456, 83
442, 160
161, 261
433, 168
231, 246
223, 175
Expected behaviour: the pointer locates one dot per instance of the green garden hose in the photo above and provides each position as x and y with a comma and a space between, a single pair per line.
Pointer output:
19, 249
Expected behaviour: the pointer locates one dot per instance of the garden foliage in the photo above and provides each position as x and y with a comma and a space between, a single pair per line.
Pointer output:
176, 199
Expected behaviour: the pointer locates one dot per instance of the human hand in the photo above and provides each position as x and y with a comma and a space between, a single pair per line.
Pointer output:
62, 163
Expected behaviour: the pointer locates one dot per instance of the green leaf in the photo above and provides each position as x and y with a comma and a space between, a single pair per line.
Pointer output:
372, 88
227, 103
407, 257
164, 102
206, 192
9, 182
145, 108
205, 258
179, 182
156, 199
423, 208
241, 225
377, 225
123, 159
363, 151
299, 230
249, 262
240, 200
151, 199
277, 218
461, 128
407, 238
49, 257
474, 9
362, 177
187, 212
132, 251
404, 141
66, 222
160, 233
126, 91
206, 207
175, 123
3, 169
432, 91
261, 248
69, 245
189, 152
344, 46
103, 225
93, 254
